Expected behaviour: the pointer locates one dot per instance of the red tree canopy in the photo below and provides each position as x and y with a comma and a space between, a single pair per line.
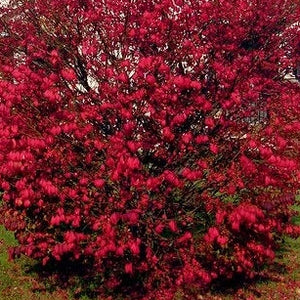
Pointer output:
155, 142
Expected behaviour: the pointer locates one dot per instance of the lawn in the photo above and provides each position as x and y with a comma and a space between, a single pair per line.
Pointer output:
19, 280
16, 282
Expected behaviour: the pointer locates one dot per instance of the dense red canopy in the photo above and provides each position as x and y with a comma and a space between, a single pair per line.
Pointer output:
154, 141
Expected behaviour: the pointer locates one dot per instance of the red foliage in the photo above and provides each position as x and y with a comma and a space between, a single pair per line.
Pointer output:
155, 140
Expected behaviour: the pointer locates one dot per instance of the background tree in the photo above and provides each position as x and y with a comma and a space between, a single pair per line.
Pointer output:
154, 142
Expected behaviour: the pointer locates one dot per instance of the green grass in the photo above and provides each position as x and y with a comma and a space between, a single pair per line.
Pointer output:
19, 281
15, 281
9, 286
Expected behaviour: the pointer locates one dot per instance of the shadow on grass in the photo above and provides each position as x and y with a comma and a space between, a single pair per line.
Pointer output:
82, 283
75, 277
62, 275
284, 271
65, 275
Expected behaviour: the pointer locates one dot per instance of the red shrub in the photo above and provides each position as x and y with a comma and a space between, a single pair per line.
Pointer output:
155, 140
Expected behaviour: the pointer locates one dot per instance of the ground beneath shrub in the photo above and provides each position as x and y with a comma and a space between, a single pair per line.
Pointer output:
282, 284
17, 282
